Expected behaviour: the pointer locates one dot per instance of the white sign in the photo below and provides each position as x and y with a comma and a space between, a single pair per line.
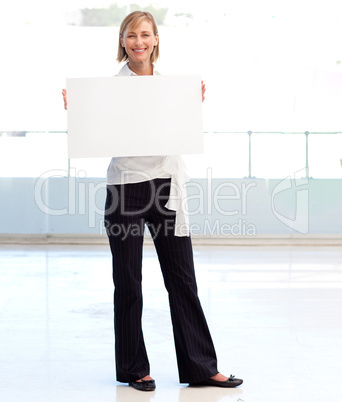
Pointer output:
134, 116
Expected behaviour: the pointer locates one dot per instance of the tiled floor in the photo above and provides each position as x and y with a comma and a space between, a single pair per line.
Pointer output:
275, 314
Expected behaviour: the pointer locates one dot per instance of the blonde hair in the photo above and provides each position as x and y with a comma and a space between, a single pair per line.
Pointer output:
131, 21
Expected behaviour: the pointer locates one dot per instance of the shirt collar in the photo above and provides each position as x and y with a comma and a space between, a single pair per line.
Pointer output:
126, 71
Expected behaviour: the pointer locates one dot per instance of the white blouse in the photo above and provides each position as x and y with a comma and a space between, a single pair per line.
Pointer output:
136, 169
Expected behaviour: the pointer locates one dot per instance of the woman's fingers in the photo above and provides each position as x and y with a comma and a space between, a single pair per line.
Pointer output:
203, 91
64, 93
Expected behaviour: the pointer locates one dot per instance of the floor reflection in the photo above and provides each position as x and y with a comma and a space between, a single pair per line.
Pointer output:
273, 312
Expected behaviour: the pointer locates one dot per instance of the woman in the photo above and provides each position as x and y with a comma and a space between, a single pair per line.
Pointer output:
145, 190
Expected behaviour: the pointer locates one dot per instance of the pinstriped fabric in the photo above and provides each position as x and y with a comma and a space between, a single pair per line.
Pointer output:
129, 207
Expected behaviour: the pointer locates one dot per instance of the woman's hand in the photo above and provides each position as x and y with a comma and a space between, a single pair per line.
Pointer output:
203, 91
64, 93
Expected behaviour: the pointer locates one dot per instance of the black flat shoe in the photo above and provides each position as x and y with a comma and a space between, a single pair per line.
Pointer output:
230, 383
143, 385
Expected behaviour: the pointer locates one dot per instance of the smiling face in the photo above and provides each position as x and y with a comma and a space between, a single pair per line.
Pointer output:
139, 42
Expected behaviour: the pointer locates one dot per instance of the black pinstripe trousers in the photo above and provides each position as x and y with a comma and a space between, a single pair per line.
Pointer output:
128, 208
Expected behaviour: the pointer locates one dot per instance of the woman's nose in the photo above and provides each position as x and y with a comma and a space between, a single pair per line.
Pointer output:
138, 40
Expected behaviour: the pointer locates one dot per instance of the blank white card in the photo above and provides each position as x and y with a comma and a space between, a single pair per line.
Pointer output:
134, 116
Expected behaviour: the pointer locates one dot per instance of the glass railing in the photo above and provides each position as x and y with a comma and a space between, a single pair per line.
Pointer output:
319, 154
248, 154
